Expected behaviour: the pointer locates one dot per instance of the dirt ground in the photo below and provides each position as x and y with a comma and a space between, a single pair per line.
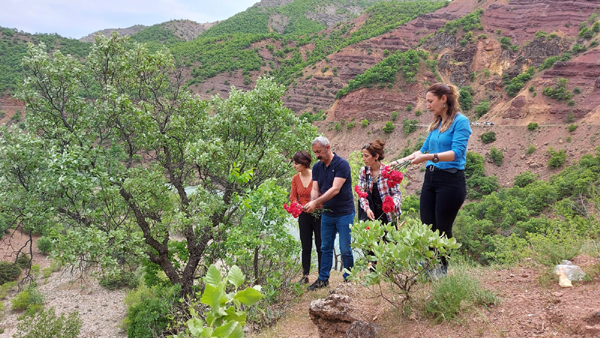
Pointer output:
531, 305
101, 310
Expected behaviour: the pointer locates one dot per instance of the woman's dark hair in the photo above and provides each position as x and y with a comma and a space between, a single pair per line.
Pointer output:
376, 148
302, 157
451, 92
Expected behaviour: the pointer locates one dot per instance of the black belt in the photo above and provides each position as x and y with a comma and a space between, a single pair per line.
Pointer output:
449, 170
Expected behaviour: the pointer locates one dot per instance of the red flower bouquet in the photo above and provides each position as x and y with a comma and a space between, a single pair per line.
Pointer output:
295, 209
393, 176
359, 192
388, 205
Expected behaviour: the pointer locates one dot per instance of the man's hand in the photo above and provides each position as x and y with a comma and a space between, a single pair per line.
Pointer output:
310, 207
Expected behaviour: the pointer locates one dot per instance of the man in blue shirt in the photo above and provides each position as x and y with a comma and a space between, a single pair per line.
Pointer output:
332, 187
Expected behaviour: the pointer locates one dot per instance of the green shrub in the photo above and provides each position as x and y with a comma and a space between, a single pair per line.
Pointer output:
24, 261
418, 113
410, 126
409, 107
389, 127
8, 272
456, 293
364, 123
119, 280
45, 245
337, 127
532, 126
402, 258
488, 137
148, 311
559, 92
576, 90
47, 324
497, 156
394, 115
572, 128
530, 149
30, 296
465, 98
482, 108
557, 158
350, 125
570, 118
524, 179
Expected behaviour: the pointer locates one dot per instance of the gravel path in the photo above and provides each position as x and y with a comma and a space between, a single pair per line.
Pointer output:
101, 310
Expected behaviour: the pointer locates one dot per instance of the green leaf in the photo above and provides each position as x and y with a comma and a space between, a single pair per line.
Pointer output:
236, 276
239, 317
226, 330
213, 276
248, 296
196, 326
212, 297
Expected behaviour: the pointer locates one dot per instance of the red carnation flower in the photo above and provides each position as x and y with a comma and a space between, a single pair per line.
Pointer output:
359, 192
388, 205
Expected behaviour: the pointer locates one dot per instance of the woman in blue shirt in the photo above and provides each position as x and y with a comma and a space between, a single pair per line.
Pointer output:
445, 151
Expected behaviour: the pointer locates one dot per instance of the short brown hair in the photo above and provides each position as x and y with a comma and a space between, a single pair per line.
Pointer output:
302, 157
376, 148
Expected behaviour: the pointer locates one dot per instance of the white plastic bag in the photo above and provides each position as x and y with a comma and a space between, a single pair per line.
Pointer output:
572, 272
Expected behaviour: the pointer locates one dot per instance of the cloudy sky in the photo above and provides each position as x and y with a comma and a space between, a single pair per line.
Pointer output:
78, 18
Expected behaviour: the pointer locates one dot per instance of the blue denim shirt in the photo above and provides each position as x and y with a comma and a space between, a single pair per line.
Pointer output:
455, 139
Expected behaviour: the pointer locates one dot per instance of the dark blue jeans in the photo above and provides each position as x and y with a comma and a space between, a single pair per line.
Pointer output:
329, 227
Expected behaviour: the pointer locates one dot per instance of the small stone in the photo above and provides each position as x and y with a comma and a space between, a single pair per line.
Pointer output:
412, 316
557, 294
512, 275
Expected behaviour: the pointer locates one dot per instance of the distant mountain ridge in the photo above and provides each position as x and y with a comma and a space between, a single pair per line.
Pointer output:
185, 30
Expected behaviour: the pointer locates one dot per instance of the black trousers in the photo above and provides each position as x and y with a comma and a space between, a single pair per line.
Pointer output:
309, 225
442, 196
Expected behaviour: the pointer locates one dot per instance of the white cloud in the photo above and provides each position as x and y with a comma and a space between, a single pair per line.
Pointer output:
76, 19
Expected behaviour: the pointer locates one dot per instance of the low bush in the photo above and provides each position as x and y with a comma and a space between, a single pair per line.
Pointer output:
530, 149
45, 323
45, 245
532, 126
26, 298
402, 258
496, 155
524, 179
8, 272
557, 158
364, 123
389, 127
572, 128
488, 137
455, 294
24, 261
122, 279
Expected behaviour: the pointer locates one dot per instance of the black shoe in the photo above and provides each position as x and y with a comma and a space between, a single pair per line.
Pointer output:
318, 284
303, 280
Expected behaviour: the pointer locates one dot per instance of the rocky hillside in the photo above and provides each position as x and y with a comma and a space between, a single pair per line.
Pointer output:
517, 62
186, 30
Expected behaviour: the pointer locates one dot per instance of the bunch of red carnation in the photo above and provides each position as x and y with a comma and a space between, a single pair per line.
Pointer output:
388, 204
359, 192
295, 209
393, 176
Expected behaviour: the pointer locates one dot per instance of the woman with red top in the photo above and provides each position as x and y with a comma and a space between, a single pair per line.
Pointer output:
309, 224
376, 186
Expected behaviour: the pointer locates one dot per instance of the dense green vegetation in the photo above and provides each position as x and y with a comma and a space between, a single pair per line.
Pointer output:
385, 71
469, 22
544, 220
13, 46
156, 36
